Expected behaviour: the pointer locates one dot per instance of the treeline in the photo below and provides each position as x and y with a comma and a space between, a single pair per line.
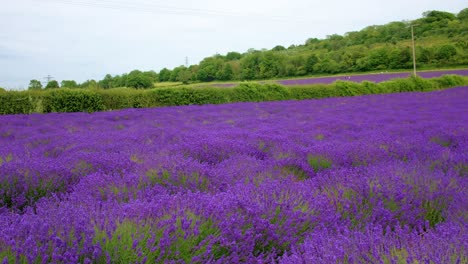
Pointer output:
441, 41
135, 79
91, 100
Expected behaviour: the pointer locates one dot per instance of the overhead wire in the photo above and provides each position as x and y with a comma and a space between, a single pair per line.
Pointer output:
151, 7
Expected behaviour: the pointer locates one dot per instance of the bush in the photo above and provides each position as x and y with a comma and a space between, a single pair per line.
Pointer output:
121, 98
347, 88
370, 87
300, 92
255, 92
14, 102
449, 80
65, 100
190, 96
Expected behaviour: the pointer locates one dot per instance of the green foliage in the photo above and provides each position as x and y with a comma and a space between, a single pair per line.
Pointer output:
182, 243
89, 100
90, 84
300, 92
233, 56
14, 102
434, 16
189, 96
52, 84
278, 48
139, 80
318, 163
72, 101
347, 88
164, 75
254, 92
2, 90
463, 15
122, 98
440, 41
445, 53
449, 80
68, 84
108, 82
414, 83
35, 85
434, 212
294, 170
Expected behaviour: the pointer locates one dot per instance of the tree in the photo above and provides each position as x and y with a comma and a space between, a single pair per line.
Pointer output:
35, 85
433, 16
68, 84
463, 15
90, 84
2, 90
184, 75
137, 79
230, 56
108, 82
399, 58
446, 52
278, 48
226, 74
152, 75
52, 85
310, 63
176, 72
209, 68
269, 65
250, 66
164, 75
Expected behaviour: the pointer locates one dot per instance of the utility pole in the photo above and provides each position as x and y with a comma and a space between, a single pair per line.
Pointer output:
186, 61
414, 50
48, 78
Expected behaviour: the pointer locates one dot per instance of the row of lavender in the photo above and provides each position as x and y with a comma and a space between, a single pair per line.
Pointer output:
376, 77
371, 179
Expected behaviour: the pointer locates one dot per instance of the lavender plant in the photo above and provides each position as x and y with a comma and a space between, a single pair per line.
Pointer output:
369, 179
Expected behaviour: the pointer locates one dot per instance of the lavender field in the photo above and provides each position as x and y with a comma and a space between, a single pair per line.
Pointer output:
370, 179
375, 77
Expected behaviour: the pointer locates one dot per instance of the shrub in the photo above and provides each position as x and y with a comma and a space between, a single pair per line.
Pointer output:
255, 92
65, 100
14, 102
190, 96
347, 88
449, 80
300, 92
119, 98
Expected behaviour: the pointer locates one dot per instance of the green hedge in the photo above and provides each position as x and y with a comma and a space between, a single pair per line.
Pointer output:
80, 100
15, 102
66, 100
254, 92
189, 96
121, 98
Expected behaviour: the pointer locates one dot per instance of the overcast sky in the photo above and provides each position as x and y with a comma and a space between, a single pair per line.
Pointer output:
86, 39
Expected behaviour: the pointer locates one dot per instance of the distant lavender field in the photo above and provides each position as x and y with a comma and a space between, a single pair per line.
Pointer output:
377, 77
370, 179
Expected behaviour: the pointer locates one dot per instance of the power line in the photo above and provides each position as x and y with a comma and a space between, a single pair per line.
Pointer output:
151, 7
48, 78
